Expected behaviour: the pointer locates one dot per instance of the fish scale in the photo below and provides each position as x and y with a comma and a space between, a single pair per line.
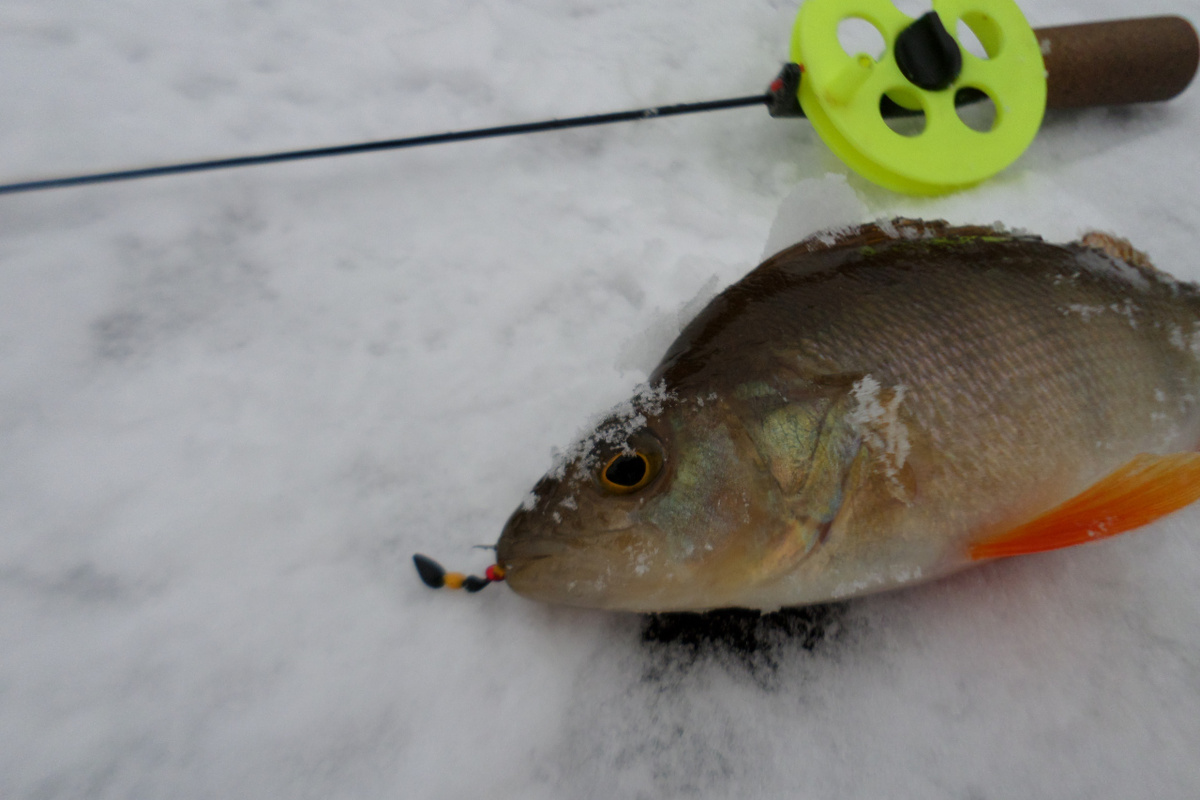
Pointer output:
886, 404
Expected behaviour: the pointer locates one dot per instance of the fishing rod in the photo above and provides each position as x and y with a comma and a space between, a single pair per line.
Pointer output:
851, 98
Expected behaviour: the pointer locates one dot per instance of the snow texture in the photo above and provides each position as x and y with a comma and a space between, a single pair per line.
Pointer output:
232, 406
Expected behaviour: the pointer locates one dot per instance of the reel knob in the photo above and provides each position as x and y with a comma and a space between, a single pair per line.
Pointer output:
924, 69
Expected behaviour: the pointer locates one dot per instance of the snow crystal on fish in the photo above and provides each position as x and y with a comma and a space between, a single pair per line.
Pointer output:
612, 429
881, 429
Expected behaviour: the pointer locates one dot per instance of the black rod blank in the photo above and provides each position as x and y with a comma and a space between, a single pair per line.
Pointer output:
388, 144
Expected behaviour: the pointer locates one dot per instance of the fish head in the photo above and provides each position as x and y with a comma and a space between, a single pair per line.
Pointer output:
668, 505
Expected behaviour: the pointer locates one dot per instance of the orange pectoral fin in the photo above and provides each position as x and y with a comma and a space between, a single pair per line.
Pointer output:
1146, 488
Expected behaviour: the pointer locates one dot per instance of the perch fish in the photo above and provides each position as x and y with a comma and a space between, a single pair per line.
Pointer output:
872, 408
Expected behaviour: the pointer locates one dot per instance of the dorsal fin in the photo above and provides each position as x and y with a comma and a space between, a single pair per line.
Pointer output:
1116, 247
1146, 488
885, 232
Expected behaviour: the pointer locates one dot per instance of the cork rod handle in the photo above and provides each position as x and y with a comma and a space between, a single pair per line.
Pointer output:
1121, 61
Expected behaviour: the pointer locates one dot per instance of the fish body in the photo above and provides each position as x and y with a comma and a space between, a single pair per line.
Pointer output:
873, 408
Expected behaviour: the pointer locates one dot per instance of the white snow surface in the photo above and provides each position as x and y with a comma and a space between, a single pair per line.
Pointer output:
232, 406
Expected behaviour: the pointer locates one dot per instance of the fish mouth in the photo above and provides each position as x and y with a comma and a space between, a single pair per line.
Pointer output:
518, 554
552, 545
517, 541
529, 549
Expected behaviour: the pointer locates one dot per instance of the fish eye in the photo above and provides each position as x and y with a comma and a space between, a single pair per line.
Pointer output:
625, 473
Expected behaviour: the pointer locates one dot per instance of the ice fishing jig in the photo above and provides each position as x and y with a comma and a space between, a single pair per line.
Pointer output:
435, 576
924, 71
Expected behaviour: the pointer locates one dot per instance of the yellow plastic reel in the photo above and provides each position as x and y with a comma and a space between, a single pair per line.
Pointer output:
841, 94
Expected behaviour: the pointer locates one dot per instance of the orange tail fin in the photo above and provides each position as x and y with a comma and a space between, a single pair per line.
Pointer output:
1146, 488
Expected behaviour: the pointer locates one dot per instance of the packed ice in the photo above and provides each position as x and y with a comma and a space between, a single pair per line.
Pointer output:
235, 404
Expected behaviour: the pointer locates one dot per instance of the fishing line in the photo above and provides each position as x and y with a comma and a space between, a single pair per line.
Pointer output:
633, 115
